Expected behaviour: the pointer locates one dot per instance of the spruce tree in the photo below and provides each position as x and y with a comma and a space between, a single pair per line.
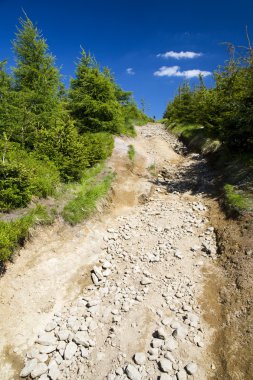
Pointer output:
92, 98
36, 79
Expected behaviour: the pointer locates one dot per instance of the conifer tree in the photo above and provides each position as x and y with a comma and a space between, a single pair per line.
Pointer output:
36, 79
93, 102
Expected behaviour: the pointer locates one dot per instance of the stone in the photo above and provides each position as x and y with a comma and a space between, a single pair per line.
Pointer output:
39, 370
170, 344
42, 358
132, 372
161, 334
169, 356
47, 349
63, 334
165, 365
28, 368
180, 333
47, 339
84, 352
140, 358
182, 375
166, 321
178, 254
54, 372
191, 368
157, 342
165, 376
70, 350
50, 326
107, 272
44, 377
146, 281
82, 337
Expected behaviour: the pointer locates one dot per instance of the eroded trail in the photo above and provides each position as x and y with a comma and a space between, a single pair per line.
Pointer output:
146, 313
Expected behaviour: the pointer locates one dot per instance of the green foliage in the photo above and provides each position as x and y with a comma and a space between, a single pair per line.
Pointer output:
98, 146
131, 152
64, 147
84, 203
14, 186
234, 199
92, 98
226, 110
43, 175
14, 233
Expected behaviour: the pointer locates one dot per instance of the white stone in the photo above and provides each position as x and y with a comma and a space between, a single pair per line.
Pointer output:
140, 358
29, 367
82, 337
63, 334
165, 365
182, 375
170, 344
191, 368
133, 373
70, 350
54, 372
50, 326
47, 339
39, 370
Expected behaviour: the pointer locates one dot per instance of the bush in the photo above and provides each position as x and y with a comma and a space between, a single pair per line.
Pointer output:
98, 146
14, 186
14, 233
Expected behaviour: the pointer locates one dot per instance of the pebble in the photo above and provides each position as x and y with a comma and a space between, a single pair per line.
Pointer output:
29, 367
191, 368
140, 358
182, 375
39, 370
70, 350
165, 365
133, 373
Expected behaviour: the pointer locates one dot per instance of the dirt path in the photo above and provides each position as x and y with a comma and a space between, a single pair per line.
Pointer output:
153, 251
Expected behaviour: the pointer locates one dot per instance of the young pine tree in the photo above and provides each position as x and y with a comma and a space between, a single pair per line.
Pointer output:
37, 80
92, 98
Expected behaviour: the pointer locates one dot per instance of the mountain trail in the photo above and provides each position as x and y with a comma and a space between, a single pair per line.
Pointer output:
131, 293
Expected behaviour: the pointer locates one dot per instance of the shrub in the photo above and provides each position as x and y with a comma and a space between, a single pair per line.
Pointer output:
15, 232
14, 186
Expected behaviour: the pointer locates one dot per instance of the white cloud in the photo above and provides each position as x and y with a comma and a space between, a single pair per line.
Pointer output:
174, 71
180, 55
130, 71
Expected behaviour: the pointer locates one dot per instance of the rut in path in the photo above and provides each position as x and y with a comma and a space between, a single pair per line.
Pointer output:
143, 316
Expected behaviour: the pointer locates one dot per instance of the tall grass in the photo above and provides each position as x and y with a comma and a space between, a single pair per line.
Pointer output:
90, 191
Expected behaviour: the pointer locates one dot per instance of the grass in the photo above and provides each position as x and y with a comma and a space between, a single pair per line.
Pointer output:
14, 233
153, 170
131, 152
87, 195
235, 200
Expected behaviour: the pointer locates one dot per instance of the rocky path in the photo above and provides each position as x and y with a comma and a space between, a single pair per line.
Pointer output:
141, 316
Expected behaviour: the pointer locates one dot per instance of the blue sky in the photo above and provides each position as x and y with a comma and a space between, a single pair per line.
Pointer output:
132, 36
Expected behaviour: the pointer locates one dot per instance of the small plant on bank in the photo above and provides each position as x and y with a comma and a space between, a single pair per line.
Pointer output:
131, 152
